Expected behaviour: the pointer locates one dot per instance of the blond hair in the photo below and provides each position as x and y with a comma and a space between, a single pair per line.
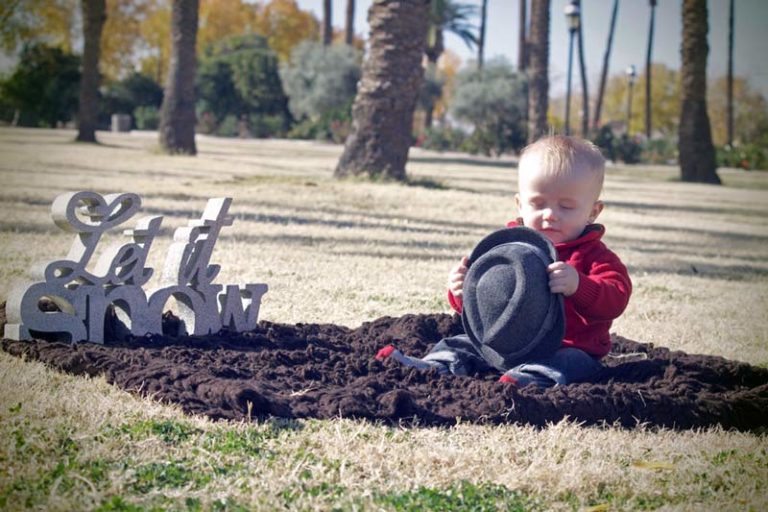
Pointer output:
560, 154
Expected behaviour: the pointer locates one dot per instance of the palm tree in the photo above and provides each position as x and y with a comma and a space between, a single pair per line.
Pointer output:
697, 154
604, 73
382, 114
448, 16
349, 25
730, 74
481, 38
522, 37
648, 124
538, 69
94, 15
327, 29
177, 114
583, 72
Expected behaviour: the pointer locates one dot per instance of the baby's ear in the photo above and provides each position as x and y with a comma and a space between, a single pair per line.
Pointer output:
596, 209
517, 201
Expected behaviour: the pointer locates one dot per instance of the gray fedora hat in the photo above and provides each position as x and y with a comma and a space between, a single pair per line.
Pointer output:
509, 313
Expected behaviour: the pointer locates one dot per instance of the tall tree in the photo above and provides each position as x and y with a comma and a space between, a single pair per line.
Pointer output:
177, 114
327, 22
448, 16
445, 16
481, 36
349, 23
730, 73
648, 67
522, 36
94, 16
386, 96
697, 154
583, 72
538, 70
604, 73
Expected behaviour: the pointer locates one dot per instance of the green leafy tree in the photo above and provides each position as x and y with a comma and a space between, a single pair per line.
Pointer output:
665, 107
43, 88
750, 120
238, 80
136, 91
494, 102
318, 79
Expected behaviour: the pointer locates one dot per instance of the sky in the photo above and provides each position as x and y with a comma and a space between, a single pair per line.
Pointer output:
629, 43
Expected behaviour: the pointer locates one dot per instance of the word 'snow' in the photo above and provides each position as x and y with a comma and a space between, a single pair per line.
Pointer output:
83, 296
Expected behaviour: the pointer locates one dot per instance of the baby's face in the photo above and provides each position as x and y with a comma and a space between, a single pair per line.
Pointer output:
559, 207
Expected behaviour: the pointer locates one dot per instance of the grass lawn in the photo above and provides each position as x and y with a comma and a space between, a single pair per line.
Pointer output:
349, 252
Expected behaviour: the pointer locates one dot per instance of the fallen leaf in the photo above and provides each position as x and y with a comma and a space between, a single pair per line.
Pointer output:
652, 465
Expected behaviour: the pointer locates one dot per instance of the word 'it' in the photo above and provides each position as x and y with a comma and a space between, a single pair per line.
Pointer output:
82, 297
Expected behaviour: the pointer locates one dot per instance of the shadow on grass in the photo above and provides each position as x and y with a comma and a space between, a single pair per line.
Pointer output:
501, 164
318, 216
631, 205
427, 183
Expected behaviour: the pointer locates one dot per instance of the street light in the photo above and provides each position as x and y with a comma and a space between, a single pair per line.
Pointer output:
631, 77
572, 15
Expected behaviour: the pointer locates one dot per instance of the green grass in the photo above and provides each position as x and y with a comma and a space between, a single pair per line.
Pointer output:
460, 496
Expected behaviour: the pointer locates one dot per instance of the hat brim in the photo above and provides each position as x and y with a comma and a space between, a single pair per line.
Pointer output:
516, 234
545, 347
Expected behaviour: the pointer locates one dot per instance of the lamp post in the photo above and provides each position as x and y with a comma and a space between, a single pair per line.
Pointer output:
572, 19
631, 77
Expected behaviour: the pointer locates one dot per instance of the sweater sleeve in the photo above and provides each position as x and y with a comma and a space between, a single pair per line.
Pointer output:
604, 291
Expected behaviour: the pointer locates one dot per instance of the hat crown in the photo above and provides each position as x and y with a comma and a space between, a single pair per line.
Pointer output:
514, 291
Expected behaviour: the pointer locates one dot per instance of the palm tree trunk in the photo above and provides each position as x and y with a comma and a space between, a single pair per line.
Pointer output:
177, 114
583, 72
481, 36
386, 96
697, 154
648, 121
538, 69
349, 25
327, 32
522, 37
730, 74
604, 73
94, 16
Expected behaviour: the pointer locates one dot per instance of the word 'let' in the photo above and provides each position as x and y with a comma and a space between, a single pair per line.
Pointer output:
82, 297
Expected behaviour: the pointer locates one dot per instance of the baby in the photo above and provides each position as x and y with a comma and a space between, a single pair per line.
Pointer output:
559, 180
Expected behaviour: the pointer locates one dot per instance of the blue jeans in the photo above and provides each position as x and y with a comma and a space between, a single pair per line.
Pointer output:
565, 366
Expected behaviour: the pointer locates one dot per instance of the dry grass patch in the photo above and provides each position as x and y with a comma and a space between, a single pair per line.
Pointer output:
348, 252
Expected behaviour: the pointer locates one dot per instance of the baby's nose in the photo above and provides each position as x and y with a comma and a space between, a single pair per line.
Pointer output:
549, 213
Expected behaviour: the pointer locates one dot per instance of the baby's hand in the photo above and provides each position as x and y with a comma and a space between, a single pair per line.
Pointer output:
563, 278
456, 277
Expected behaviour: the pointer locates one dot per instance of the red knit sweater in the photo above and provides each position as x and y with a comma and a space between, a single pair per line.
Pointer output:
602, 295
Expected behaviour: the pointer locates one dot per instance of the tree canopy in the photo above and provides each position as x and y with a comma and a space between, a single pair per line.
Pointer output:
319, 78
43, 89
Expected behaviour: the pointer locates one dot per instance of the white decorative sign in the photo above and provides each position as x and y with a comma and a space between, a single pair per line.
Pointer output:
83, 296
